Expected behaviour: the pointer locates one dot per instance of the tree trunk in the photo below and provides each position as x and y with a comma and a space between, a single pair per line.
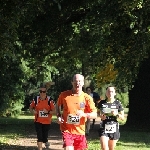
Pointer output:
139, 99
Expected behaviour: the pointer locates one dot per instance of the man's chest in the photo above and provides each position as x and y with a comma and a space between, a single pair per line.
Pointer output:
72, 103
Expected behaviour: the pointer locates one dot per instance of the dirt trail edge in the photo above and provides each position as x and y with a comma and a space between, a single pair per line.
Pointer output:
28, 142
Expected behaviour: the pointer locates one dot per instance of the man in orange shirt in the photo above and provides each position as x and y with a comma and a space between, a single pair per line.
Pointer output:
43, 108
77, 107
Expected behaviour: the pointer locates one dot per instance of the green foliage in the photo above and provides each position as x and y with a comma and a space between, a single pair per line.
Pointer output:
123, 98
16, 107
10, 83
80, 37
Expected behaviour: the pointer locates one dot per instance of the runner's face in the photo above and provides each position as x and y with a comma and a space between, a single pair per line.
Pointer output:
42, 91
88, 91
110, 93
78, 82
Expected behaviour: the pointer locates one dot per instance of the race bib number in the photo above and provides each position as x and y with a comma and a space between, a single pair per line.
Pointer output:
73, 119
110, 128
42, 114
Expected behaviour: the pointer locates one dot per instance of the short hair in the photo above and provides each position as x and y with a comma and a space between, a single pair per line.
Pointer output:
78, 74
47, 85
111, 86
42, 85
88, 88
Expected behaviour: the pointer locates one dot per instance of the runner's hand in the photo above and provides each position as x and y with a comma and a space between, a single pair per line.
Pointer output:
34, 112
103, 117
114, 113
60, 120
45, 111
81, 113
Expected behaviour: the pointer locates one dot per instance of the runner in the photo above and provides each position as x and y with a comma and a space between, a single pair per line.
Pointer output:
77, 107
110, 110
42, 107
96, 99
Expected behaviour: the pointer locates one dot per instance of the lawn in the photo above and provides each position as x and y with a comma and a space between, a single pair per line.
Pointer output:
130, 140
14, 128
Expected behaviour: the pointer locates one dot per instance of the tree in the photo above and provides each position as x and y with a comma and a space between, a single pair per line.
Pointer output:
82, 36
139, 113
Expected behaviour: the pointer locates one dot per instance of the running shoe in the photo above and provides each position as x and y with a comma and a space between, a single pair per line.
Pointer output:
47, 144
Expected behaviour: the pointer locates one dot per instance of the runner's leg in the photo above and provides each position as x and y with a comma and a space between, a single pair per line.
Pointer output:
80, 142
69, 148
38, 128
45, 129
88, 126
104, 142
39, 145
93, 123
114, 138
67, 141
112, 144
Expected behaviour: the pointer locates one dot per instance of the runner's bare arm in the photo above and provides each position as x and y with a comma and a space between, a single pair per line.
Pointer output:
92, 110
57, 110
102, 115
32, 110
92, 115
121, 115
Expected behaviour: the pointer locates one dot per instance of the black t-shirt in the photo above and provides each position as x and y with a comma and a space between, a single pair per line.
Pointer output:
106, 108
96, 98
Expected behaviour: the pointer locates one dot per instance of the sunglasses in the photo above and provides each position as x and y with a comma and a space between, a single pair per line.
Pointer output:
42, 91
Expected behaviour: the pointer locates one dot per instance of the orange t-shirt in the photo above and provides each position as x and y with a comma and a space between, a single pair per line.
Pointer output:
40, 116
72, 123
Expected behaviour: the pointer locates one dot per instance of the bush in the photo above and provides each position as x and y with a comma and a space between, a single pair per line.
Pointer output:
123, 98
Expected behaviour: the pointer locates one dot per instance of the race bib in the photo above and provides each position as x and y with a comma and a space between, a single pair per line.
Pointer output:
42, 114
73, 119
115, 110
106, 110
109, 110
110, 128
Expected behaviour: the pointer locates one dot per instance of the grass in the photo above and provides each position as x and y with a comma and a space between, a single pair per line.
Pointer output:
14, 128
126, 110
128, 141
24, 118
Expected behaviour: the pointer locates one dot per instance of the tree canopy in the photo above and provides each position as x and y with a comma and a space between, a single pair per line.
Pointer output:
39, 38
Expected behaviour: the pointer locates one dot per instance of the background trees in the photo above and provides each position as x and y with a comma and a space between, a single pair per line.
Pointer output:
43, 40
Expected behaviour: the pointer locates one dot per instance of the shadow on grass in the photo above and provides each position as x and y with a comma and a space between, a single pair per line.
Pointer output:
4, 147
129, 137
13, 131
16, 121
16, 147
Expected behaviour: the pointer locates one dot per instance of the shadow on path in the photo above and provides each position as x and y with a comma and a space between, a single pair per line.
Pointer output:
28, 140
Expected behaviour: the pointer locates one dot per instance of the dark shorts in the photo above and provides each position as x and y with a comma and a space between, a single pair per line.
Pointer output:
77, 141
112, 136
42, 131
